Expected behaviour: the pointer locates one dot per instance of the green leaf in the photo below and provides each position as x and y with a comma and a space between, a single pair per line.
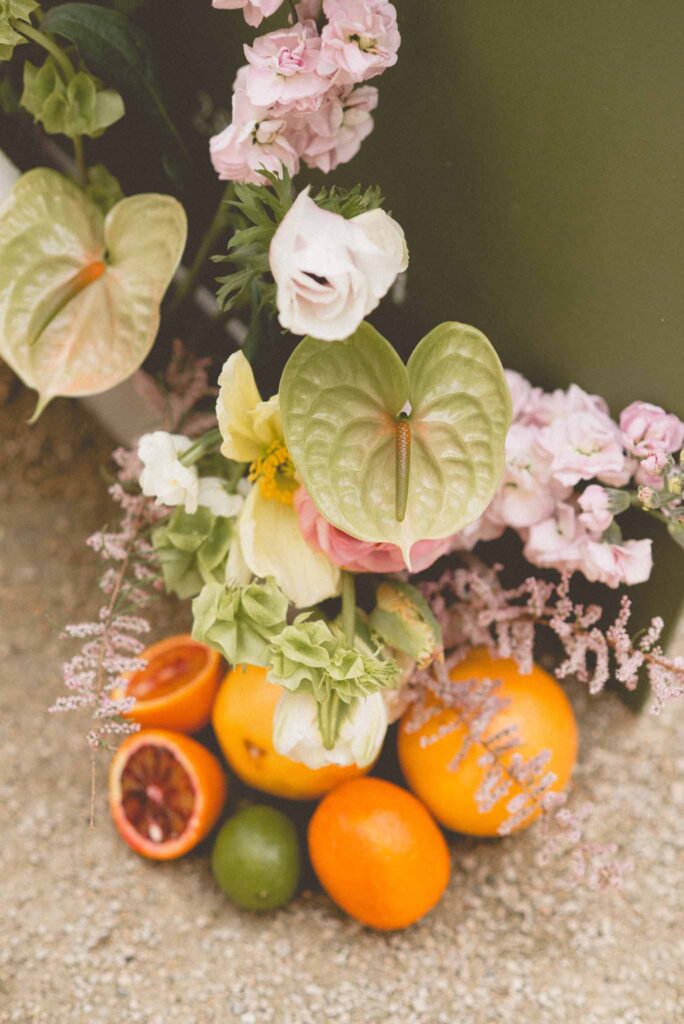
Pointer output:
79, 107
341, 402
119, 53
19, 10
79, 293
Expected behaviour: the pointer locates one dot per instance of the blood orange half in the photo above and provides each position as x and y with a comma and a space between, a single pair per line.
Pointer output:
177, 687
166, 792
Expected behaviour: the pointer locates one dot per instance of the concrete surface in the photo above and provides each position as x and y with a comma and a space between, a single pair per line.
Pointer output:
91, 934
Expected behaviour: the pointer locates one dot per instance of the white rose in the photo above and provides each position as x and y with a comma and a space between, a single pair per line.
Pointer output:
165, 478
331, 272
296, 734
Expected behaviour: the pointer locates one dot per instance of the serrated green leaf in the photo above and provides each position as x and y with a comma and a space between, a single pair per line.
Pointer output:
340, 402
79, 293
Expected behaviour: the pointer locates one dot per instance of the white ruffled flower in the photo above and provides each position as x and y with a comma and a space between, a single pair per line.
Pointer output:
165, 478
296, 734
331, 272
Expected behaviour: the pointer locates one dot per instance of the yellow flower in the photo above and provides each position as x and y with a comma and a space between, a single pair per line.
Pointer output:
269, 541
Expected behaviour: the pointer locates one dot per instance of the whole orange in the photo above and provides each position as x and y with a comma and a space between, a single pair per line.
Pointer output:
378, 853
539, 711
243, 723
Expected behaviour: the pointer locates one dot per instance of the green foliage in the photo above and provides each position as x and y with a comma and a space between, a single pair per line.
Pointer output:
259, 210
341, 402
312, 656
77, 107
349, 202
240, 621
192, 550
18, 10
80, 293
402, 618
118, 51
103, 188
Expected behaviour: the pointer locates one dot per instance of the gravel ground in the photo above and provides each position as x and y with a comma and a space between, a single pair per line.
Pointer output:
91, 933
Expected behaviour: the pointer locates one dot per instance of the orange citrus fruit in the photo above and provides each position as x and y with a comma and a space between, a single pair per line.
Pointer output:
166, 792
538, 709
243, 723
176, 689
378, 853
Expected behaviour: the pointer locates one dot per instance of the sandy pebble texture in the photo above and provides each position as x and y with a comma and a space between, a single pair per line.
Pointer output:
91, 934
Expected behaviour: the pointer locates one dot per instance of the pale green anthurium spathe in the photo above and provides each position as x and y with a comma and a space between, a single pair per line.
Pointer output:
79, 292
341, 402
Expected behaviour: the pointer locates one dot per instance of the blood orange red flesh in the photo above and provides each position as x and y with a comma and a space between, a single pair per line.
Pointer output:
166, 792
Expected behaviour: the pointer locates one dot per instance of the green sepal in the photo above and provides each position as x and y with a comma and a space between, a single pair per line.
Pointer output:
77, 107
103, 188
403, 619
192, 550
240, 621
19, 10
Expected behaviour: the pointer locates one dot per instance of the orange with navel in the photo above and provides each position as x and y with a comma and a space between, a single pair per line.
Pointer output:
166, 792
378, 853
176, 688
243, 723
537, 708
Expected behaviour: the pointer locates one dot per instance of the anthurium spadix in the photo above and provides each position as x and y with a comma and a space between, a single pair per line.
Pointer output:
79, 292
394, 453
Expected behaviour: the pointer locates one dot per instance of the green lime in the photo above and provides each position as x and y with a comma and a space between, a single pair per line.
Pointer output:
256, 859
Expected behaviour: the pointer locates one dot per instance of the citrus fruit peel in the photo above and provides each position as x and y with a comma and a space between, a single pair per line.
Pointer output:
166, 792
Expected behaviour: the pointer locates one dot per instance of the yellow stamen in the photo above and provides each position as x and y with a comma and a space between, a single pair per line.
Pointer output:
275, 472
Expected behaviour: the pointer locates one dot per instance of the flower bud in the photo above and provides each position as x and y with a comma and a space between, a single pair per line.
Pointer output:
297, 735
403, 619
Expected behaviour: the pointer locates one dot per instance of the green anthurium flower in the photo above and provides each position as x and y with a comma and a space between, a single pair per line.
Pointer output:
392, 453
403, 619
19, 10
78, 107
80, 292
240, 621
192, 550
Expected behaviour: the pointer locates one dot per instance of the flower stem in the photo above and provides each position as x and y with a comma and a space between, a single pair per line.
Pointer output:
349, 607
653, 512
218, 224
203, 444
293, 9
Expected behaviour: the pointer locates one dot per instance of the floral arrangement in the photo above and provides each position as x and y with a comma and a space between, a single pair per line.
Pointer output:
333, 537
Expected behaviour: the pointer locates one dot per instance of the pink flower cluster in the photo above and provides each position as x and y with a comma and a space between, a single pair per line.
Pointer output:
558, 442
302, 96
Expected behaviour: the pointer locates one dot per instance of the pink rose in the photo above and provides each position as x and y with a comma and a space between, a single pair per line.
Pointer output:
255, 138
647, 429
333, 134
283, 67
613, 564
596, 514
360, 40
359, 555
254, 10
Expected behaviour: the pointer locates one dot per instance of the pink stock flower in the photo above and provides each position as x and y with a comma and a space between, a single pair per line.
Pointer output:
648, 429
283, 67
360, 40
585, 443
527, 493
255, 139
254, 10
557, 542
359, 555
596, 514
629, 562
333, 134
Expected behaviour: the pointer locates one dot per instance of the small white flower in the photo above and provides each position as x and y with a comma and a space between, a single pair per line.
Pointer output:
331, 272
165, 478
296, 734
